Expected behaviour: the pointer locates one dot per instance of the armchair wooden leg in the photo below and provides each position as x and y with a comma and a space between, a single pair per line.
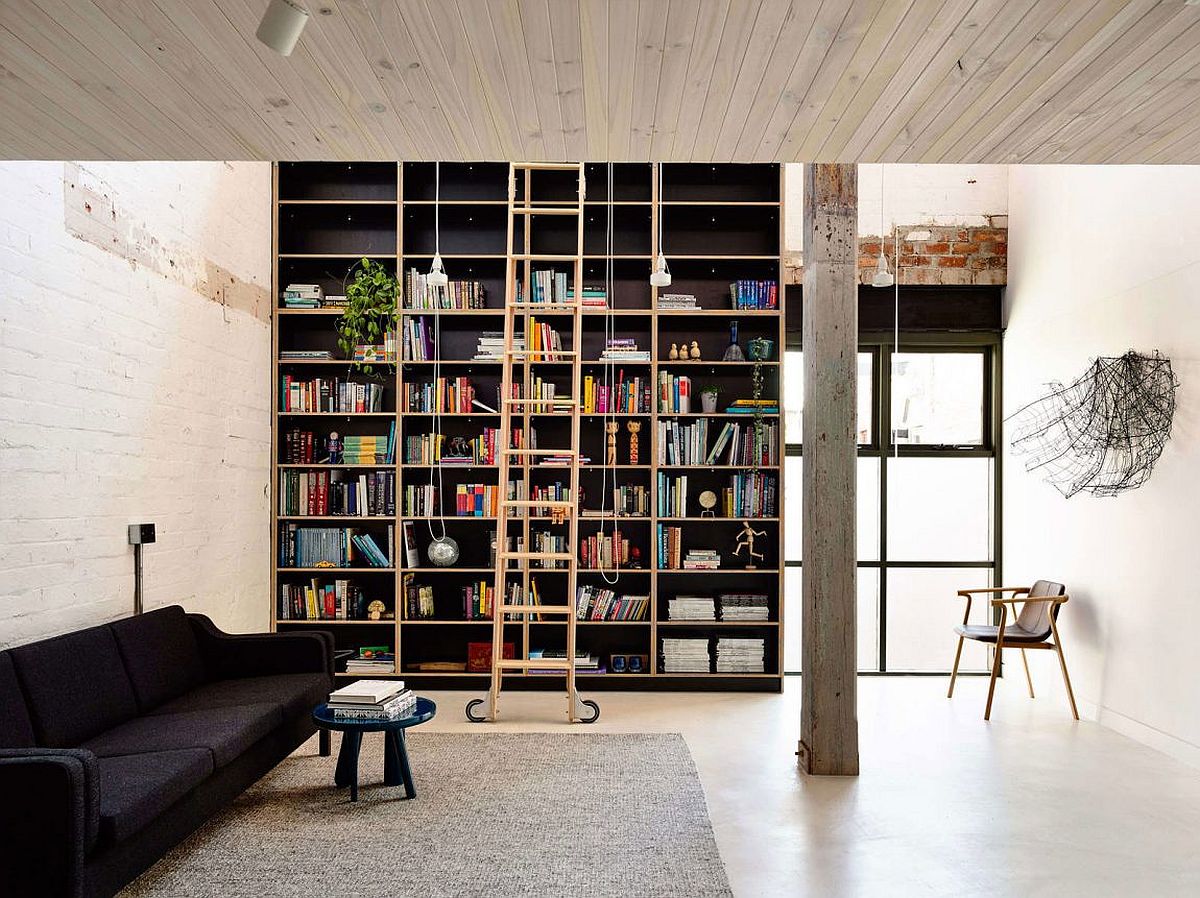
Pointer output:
987, 711
1028, 678
954, 670
1062, 662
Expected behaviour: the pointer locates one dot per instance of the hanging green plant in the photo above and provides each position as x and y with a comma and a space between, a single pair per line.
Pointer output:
756, 382
370, 311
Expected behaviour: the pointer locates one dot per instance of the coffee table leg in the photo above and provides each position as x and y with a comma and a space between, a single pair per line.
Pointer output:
346, 773
391, 759
410, 790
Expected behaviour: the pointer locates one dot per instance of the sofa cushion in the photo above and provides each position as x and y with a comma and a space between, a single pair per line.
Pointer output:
75, 686
16, 729
135, 789
297, 694
160, 654
226, 732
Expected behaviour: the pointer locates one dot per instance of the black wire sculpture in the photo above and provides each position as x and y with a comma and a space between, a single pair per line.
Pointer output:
1103, 433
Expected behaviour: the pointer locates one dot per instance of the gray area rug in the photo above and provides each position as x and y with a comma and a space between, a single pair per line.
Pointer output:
496, 814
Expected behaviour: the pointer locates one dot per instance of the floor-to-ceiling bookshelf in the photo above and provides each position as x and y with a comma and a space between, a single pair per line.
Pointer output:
721, 224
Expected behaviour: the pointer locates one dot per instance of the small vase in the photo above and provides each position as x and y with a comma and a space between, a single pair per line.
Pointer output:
708, 402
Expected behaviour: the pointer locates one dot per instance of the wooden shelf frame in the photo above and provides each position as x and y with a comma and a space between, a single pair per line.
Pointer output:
636, 311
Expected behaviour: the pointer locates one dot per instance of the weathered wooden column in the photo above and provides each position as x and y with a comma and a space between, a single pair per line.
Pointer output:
829, 714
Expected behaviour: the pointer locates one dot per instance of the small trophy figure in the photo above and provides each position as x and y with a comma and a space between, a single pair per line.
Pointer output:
334, 447
745, 540
611, 429
634, 427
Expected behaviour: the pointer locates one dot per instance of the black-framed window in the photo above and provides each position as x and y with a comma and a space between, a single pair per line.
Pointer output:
928, 488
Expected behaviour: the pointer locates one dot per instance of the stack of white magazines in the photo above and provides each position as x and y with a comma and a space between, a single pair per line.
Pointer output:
373, 700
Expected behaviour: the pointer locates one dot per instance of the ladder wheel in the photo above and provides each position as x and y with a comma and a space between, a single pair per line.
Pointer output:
595, 711
472, 705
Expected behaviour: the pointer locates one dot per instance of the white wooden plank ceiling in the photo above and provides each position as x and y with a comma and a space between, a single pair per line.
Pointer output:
1002, 81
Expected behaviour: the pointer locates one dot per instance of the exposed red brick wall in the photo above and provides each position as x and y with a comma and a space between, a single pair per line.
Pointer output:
951, 255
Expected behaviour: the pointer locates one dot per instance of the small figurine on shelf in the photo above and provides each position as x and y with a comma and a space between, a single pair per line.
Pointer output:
334, 448
674, 353
683, 352
695, 354
635, 557
745, 540
375, 610
708, 501
634, 427
611, 429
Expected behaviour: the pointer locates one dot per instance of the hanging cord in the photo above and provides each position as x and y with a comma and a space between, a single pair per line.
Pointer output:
895, 333
609, 414
437, 362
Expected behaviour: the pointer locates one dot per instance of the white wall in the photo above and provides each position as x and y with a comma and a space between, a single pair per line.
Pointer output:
134, 339
964, 195
1102, 260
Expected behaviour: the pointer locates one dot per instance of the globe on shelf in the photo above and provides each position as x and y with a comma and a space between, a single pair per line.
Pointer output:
443, 552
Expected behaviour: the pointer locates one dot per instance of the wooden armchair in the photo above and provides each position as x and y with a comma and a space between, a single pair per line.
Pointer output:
1033, 628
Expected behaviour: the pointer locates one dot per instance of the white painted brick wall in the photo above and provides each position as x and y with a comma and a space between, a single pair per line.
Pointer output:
128, 394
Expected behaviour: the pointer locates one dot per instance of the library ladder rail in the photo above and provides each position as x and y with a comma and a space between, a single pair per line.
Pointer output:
518, 368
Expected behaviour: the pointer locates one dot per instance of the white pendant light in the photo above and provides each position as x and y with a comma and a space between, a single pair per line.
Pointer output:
883, 277
281, 26
661, 275
437, 272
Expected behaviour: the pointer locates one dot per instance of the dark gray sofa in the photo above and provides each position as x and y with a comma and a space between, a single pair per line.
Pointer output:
117, 741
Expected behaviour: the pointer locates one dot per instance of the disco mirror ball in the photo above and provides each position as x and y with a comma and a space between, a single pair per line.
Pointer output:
443, 552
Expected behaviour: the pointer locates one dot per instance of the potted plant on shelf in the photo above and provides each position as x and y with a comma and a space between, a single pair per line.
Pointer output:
708, 398
370, 313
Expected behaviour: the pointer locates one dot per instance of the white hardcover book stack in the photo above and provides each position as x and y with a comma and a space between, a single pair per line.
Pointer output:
744, 607
691, 608
373, 700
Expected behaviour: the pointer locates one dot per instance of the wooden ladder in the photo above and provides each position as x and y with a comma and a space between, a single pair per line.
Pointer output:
519, 366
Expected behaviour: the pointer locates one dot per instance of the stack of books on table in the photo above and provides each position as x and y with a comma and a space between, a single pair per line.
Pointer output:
685, 655
372, 659
737, 655
744, 606
702, 560
373, 700
677, 301
624, 349
302, 296
691, 608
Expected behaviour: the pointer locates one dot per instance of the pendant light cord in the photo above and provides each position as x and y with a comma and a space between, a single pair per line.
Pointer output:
437, 364
609, 413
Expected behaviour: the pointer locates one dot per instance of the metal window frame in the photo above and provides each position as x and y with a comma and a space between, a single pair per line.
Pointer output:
881, 346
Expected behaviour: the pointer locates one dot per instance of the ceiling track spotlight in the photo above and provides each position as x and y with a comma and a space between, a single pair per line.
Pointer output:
282, 25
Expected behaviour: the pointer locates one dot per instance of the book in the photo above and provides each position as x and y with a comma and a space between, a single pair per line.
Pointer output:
366, 692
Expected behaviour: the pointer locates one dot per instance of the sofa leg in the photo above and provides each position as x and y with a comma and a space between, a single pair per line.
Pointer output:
324, 742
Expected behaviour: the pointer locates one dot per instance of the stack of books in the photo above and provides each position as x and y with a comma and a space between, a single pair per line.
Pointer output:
753, 295
750, 494
702, 560
455, 295
369, 450
549, 286
685, 656
305, 355
738, 655
744, 606
677, 301
692, 608
373, 700
594, 297
674, 394
600, 603
746, 444
491, 345
373, 659
302, 296
584, 662
748, 407
624, 349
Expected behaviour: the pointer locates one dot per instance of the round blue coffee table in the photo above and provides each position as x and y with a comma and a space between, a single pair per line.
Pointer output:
395, 754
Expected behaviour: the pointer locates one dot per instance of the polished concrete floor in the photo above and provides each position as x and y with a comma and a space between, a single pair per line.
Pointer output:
1030, 804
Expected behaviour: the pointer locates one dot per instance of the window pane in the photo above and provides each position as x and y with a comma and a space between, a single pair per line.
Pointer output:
868, 508
791, 620
937, 398
922, 611
793, 397
868, 619
940, 509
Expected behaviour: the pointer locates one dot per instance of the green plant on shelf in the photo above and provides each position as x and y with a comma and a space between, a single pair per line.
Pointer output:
756, 383
370, 308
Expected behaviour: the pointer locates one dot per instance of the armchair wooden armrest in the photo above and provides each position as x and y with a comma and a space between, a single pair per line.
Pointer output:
1057, 600
995, 590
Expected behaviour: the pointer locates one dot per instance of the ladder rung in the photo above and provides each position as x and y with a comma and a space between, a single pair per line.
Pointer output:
548, 556
534, 664
548, 166
539, 452
545, 257
530, 609
537, 503
547, 210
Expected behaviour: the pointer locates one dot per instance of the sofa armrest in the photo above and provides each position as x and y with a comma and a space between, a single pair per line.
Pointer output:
228, 655
49, 818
